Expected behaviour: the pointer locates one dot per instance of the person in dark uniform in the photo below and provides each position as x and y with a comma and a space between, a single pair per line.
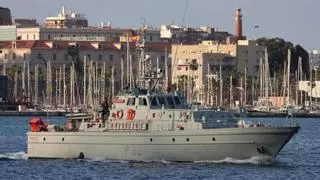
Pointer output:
105, 109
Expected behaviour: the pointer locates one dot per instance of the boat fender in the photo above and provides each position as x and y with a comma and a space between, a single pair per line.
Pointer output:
120, 114
130, 114
81, 155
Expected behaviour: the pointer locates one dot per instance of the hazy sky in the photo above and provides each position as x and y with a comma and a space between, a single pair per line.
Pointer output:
293, 20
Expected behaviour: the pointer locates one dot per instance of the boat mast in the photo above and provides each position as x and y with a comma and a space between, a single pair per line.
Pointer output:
128, 62
166, 67
84, 80
300, 76
28, 82
221, 84
24, 78
288, 76
266, 76
60, 84
122, 73
64, 85
112, 83
36, 81
231, 95
245, 86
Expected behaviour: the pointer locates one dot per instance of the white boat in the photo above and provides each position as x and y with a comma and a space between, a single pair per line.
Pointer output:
153, 126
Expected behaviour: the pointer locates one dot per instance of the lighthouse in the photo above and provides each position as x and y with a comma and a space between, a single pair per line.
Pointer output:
238, 25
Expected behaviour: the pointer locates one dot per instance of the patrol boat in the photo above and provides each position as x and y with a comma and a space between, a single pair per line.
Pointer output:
144, 126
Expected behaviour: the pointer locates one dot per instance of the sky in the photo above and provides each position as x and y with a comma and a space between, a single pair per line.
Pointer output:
293, 20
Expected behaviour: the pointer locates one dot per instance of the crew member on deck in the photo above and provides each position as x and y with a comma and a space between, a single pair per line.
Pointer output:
105, 109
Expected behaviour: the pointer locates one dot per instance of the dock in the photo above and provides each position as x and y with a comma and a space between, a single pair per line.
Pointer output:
32, 113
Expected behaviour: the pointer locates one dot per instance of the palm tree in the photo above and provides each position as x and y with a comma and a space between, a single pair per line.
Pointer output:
193, 67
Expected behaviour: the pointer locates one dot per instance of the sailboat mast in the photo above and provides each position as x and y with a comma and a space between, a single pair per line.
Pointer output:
245, 86
128, 61
288, 76
84, 80
221, 84
166, 67
231, 95
36, 81
64, 85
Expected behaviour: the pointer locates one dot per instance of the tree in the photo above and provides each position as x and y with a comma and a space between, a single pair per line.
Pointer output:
278, 53
193, 67
73, 51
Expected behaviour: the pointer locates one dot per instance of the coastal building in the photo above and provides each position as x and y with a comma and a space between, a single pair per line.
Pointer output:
314, 58
14, 53
5, 16
66, 19
210, 56
8, 33
82, 34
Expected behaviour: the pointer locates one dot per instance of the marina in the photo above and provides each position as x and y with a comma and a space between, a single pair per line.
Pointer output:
130, 92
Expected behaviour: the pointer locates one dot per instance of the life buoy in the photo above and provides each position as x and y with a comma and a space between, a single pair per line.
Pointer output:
130, 114
183, 115
120, 113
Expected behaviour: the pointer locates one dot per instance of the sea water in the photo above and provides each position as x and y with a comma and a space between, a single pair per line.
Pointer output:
300, 159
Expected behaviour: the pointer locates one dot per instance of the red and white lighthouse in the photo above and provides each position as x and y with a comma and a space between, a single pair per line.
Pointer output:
238, 24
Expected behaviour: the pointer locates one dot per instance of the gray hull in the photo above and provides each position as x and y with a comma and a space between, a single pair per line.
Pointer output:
210, 144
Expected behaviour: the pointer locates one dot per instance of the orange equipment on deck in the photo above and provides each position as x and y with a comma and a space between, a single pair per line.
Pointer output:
37, 125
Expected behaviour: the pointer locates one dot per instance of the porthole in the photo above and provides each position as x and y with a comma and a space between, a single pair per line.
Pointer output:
63, 139
213, 139
188, 139
153, 115
151, 140
170, 116
173, 140
44, 139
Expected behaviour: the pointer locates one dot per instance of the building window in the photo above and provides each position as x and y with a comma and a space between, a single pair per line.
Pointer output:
150, 38
89, 57
27, 36
49, 37
179, 68
24, 56
65, 57
111, 57
61, 35
5, 56
100, 57
54, 57
13, 55
34, 37
186, 68
0, 51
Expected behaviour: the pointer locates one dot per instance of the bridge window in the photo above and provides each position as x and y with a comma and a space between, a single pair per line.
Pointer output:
161, 101
131, 101
154, 101
176, 100
170, 101
143, 102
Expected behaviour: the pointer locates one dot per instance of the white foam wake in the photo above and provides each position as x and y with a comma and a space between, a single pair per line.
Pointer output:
252, 160
14, 156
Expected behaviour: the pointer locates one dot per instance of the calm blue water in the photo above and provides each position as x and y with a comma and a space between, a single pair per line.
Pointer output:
300, 159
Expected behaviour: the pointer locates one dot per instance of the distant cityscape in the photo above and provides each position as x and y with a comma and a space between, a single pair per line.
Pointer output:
49, 64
